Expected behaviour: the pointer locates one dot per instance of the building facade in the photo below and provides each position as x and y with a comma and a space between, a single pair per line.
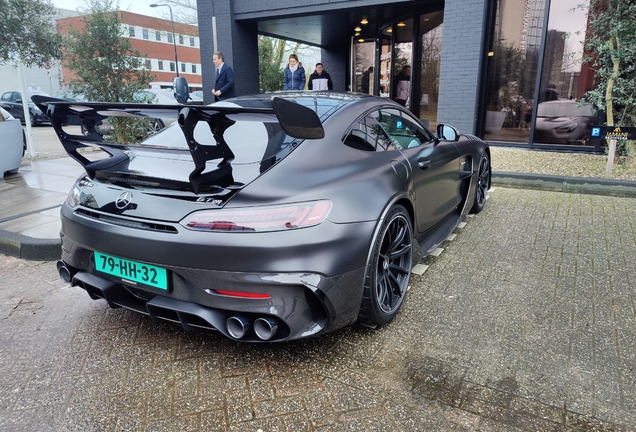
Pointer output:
509, 71
154, 38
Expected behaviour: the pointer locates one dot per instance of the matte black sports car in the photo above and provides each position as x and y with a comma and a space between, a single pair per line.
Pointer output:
268, 218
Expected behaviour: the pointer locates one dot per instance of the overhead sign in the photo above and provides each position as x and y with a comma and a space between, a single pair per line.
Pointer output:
620, 133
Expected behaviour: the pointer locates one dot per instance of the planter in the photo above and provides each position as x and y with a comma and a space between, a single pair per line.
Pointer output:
494, 121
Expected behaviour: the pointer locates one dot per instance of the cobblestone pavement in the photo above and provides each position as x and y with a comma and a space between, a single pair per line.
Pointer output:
526, 321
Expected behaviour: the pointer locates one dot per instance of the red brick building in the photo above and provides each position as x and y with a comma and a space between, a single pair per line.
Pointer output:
153, 37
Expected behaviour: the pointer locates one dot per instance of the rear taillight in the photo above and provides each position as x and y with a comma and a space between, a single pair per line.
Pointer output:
259, 219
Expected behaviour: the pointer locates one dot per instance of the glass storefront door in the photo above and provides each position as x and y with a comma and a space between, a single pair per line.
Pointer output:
402, 62
563, 116
512, 70
426, 95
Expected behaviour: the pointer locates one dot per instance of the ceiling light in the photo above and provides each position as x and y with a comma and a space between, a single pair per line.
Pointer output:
401, 24
389, 30
358, 28
360, 40
357, 34
364, 21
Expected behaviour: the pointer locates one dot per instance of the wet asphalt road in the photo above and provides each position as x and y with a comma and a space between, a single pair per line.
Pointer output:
526, 321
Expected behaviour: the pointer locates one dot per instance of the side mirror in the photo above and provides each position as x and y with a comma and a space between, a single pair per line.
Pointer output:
181, 90
18, 100
447, 133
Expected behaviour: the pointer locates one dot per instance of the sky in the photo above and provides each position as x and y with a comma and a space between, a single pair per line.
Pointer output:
137, 6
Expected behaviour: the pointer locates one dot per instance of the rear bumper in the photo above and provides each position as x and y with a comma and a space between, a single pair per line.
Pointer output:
303, 304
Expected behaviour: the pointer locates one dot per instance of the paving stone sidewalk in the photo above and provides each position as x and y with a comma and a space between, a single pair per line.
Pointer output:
526, 321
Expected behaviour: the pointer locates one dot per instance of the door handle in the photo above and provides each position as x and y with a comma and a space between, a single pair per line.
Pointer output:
423, 163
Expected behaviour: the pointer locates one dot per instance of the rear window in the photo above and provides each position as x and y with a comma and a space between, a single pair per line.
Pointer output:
252, 138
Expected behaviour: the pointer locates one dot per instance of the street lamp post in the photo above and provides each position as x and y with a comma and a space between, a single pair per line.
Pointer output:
174, 38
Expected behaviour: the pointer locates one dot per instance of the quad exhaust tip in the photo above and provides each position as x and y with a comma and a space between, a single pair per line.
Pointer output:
237, 326
64, 271
265, 328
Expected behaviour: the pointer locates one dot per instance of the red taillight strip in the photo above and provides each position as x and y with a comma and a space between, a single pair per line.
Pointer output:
242, 294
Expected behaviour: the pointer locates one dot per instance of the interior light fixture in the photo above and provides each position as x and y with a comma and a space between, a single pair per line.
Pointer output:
389, 30
360, 40
358, 28
357, 34
401, 24
364, 21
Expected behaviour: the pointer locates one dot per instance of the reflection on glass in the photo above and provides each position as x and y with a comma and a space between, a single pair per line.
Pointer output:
385, 63
562, 116
364, 58
430, 36
402, 56
512, 70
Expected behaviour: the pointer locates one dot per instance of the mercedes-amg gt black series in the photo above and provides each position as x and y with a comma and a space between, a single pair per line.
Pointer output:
268, 218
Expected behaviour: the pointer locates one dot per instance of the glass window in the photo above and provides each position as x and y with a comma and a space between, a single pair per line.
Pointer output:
148, 64
183, 67
191, 41
158, 35
180, 39
367, 135
512, 70
430, 36
144, 33
172, 68
194, 68
385, 63
563, 117
403, 131
160, 65
131, 31
402, 62
169, 37
364, 57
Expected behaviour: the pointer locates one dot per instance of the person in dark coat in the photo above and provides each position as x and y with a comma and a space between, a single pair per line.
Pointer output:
224, 82
294, 78
320, 79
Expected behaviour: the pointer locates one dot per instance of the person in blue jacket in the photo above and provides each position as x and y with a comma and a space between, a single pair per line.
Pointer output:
294, 78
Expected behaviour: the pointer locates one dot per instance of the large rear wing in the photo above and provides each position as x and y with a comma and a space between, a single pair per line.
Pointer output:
296, 121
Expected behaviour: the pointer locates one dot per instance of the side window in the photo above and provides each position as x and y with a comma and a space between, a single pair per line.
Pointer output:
6, 96
368, 135
403, 131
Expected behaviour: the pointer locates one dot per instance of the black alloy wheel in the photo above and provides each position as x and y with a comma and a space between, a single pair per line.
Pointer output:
32, 120
389, 269
483, 184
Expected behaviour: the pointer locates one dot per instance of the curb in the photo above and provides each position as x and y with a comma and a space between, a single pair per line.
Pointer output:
30, 248
585, 185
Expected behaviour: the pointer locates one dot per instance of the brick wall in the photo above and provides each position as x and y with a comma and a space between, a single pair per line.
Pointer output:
460, 65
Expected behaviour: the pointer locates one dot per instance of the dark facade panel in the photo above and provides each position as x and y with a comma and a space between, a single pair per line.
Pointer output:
462, 55
250, 9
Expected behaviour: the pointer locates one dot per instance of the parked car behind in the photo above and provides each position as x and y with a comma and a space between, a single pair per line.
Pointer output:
13, 99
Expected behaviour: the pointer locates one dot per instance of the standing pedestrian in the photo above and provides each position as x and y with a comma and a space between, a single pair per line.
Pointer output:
224, 81
402, 83
320, 79
294, 78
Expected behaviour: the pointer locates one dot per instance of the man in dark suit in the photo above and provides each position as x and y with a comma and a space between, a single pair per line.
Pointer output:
224, 82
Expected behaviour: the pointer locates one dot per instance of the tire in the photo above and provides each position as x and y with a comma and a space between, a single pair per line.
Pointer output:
24, 143
388, 270
483, 183
32, 120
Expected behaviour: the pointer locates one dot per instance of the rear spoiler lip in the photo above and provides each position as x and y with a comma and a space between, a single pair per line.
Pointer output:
296, 120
